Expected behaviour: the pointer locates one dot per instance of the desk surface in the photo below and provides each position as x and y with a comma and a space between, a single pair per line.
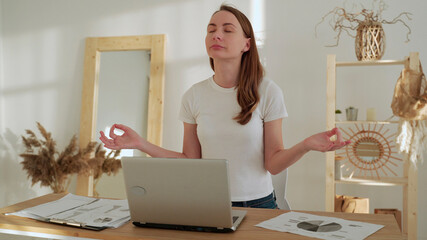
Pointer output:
246, 230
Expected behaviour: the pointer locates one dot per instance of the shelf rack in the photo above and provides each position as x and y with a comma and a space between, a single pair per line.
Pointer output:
409, 179
367, 122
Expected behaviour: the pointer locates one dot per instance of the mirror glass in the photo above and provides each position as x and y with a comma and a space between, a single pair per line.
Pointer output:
368, 149
123, 98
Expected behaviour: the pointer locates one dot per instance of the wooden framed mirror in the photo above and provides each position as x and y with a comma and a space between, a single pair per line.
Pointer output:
155, 46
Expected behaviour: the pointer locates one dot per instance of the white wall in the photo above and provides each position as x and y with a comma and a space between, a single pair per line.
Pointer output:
1, 65
2, 145
43, 48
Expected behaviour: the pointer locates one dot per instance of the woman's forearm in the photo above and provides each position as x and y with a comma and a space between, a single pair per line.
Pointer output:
156, 151
284, 158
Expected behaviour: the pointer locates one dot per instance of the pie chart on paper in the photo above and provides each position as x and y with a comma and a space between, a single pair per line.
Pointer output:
319, 226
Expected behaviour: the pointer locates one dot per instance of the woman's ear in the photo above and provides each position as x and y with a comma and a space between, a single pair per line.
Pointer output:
247, 45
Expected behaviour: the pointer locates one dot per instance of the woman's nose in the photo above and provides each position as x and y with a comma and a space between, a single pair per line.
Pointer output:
216, 36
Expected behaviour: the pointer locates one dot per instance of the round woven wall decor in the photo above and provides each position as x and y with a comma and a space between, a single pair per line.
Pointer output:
370, 41
371, 153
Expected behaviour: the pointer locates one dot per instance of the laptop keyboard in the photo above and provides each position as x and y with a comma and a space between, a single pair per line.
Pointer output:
235, 219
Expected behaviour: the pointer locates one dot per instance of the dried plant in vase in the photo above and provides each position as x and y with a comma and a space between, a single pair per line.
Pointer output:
46, 165
104, 163
367, 23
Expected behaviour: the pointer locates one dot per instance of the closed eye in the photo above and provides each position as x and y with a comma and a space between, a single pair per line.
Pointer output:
211, 28
229, 28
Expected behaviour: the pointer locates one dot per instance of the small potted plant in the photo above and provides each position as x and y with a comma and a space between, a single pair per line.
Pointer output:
338, 115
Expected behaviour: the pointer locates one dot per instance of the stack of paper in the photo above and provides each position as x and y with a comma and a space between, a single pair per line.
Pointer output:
79, 211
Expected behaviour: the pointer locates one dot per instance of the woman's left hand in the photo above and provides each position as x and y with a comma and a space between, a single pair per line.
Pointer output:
322, 141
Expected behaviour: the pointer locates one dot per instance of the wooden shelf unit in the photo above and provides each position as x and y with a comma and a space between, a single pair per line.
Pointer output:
384, 181
409, 179
367, 122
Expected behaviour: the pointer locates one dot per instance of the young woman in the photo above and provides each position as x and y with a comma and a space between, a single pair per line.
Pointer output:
236, 115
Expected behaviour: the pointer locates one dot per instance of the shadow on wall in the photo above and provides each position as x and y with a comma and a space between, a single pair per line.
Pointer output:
14, 185
91, 11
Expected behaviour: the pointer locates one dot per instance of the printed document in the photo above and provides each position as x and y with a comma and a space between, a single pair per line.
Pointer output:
85, 212
320, 226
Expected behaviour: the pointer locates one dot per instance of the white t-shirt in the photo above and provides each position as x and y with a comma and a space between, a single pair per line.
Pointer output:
213, 108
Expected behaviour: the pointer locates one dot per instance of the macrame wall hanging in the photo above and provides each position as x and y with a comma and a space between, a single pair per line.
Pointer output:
410, 104
372, 152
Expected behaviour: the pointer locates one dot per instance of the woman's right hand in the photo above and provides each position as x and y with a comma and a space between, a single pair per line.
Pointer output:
128, 140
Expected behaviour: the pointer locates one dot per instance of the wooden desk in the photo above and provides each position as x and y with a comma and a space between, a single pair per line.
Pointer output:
246, 230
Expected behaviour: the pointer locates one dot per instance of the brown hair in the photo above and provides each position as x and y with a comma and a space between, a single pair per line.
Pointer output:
251, 70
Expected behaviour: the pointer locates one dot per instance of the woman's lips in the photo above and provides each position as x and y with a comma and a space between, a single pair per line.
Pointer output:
216, 46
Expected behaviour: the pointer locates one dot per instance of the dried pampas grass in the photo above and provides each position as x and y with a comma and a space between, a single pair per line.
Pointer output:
104, 163
45, 164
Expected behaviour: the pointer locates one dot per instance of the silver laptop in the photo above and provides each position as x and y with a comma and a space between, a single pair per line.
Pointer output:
184, 194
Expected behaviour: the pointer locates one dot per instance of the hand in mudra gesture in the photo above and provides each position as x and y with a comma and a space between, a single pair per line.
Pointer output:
128, 140
322, 141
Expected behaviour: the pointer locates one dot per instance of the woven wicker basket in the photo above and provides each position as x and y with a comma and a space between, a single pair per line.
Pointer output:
370, 41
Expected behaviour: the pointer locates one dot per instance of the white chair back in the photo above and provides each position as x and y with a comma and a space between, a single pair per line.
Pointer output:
286, 205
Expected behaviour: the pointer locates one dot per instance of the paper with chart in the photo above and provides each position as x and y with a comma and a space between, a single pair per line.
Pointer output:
320, 226
83, 210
